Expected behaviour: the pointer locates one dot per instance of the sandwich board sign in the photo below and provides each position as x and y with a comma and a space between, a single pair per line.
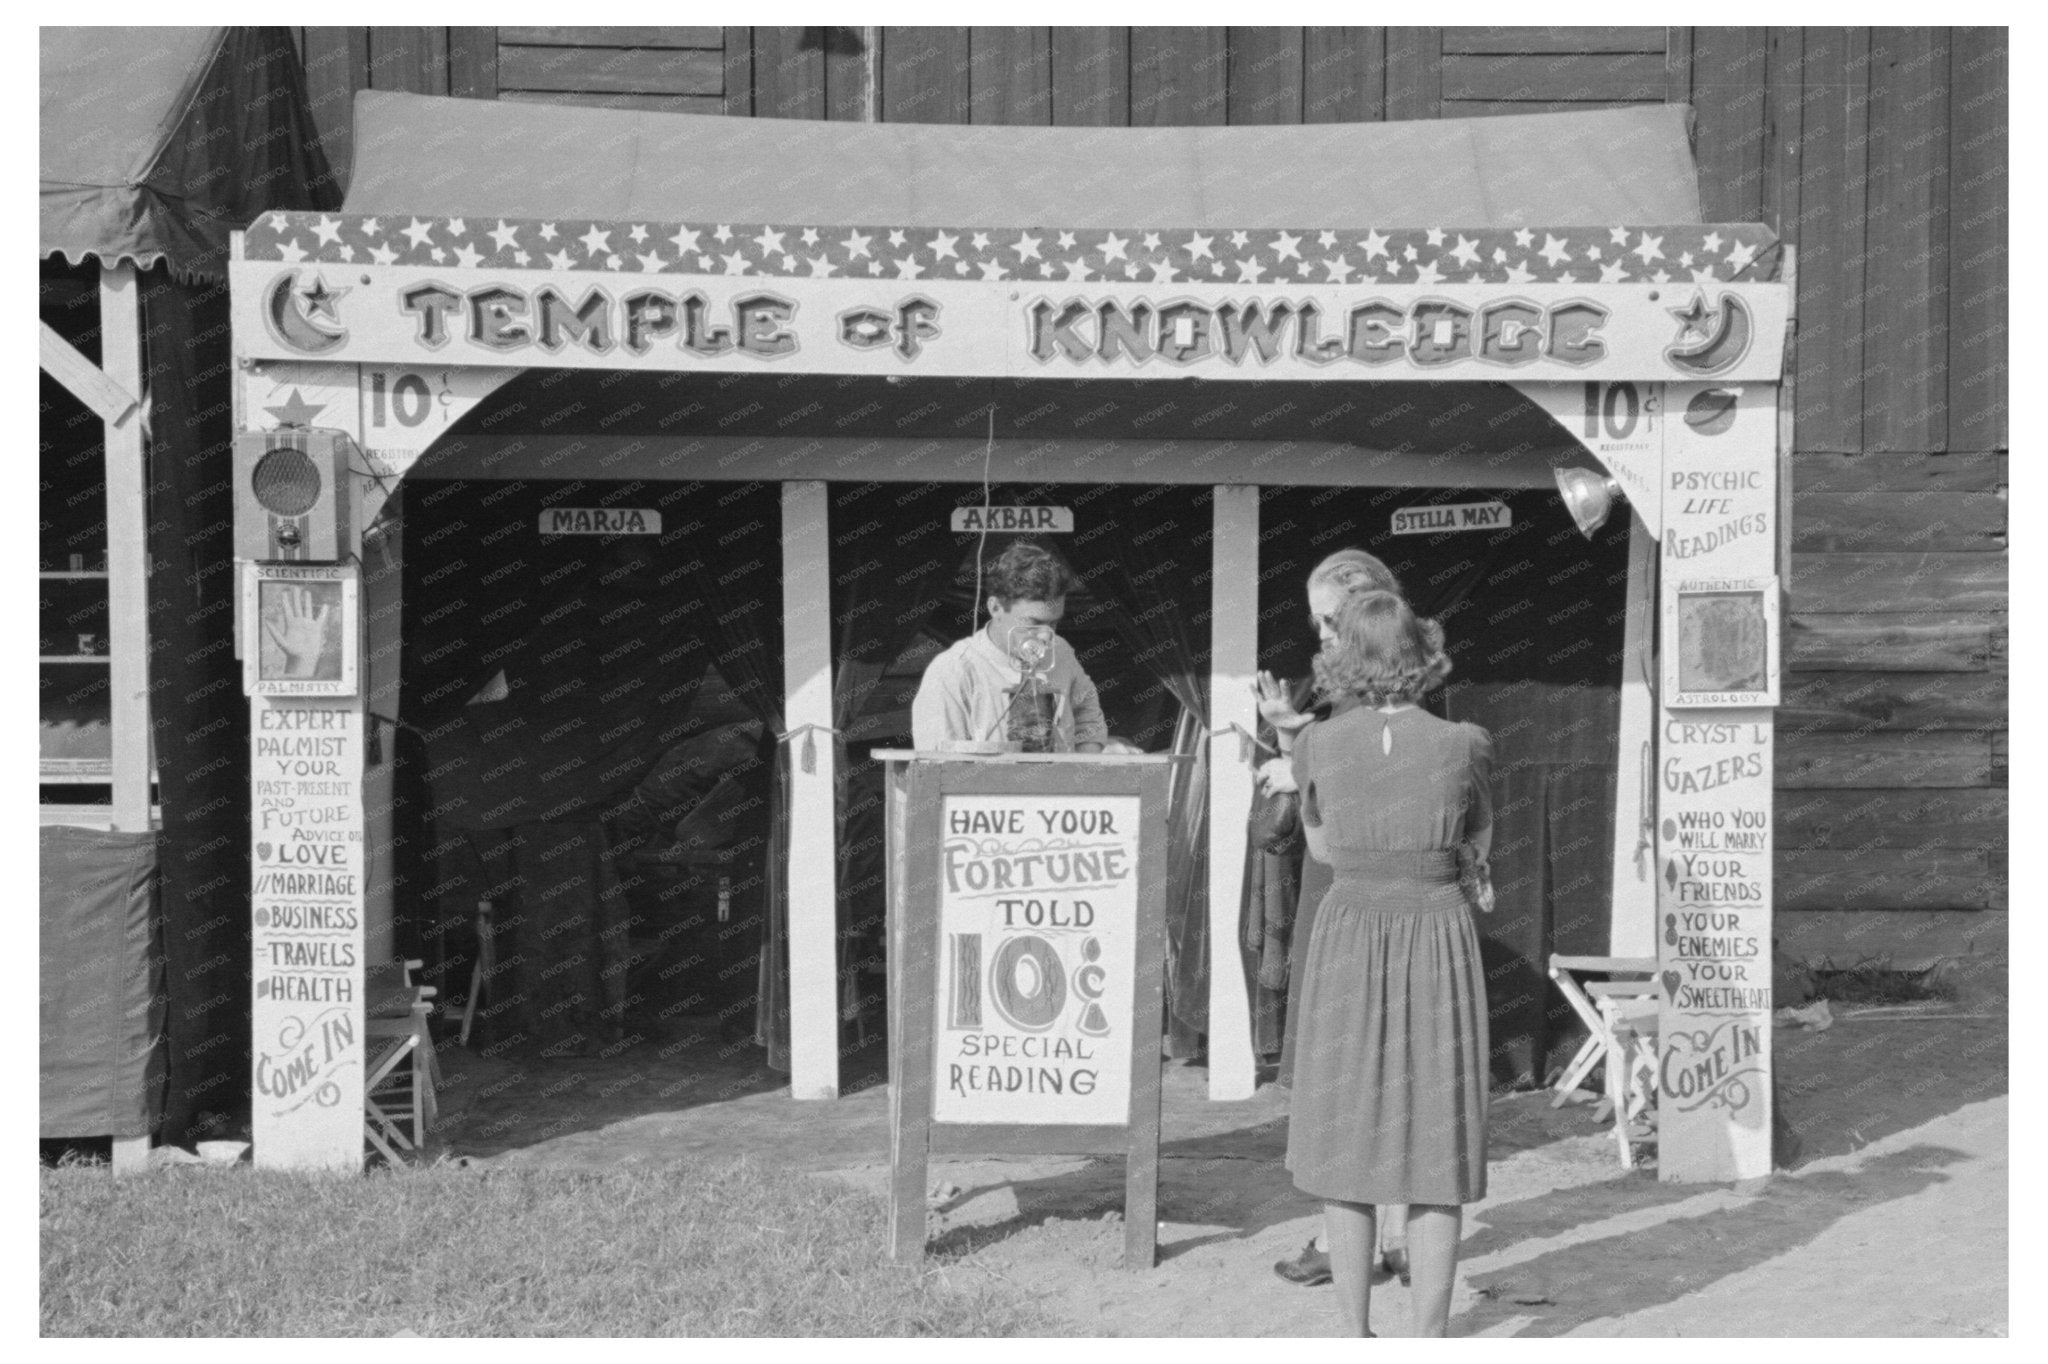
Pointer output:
1026, 968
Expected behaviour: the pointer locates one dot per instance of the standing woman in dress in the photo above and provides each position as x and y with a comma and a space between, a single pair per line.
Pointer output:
1390, 1082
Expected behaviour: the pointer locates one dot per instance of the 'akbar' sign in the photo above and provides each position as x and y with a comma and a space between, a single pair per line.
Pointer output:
1010, 520
1038, 917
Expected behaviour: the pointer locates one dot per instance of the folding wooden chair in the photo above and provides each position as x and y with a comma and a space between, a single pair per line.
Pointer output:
1620, 1015
403, 1071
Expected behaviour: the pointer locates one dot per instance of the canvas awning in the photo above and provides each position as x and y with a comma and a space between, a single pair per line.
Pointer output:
434, 157
158, 142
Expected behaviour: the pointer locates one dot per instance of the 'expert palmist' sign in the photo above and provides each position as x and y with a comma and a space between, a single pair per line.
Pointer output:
1038, 910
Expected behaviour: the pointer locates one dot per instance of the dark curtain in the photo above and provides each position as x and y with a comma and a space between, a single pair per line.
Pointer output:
199, 718
1145, 557
583, 696
881, 605
744, 625
1533, 617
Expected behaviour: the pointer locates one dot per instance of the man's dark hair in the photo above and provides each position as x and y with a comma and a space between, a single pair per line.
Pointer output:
1028, 571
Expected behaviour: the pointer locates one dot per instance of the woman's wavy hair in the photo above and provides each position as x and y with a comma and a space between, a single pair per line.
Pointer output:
1384, 653
1355, 571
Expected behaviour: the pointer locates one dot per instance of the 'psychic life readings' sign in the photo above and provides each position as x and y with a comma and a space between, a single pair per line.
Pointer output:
1038, 909
306, 939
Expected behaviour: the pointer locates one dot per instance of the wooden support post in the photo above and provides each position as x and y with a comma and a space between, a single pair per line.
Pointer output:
383, 561
813, 819
1233, 663
127, 550
1632, 930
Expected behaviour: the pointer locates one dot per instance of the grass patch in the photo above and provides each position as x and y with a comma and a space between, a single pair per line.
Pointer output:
1875, 980
717, 1250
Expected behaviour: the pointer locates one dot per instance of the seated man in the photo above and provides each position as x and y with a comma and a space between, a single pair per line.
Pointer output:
1014, 682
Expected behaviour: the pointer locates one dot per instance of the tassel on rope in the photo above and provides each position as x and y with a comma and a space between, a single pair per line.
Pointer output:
807, 756
1247, 742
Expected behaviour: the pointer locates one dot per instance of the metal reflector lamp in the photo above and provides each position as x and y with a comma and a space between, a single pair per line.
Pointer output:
1588, 496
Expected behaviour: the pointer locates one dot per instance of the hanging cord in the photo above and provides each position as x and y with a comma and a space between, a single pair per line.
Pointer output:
807, 757
1248, 743
988, 456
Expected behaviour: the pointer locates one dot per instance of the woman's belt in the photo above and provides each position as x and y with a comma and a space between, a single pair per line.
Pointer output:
1435, 866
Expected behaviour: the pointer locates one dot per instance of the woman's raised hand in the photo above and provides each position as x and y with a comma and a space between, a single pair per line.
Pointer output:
1275, 708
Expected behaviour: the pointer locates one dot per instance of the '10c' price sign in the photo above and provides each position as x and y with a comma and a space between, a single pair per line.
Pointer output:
1038, 909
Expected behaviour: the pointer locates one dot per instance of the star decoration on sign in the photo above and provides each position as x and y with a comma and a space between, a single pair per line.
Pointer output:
949, 255
296, 411
320, 299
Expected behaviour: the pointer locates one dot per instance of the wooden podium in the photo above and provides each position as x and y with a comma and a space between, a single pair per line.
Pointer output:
1027, 950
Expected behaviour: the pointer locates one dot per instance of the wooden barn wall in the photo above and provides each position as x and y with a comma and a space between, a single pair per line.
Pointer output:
1880, 152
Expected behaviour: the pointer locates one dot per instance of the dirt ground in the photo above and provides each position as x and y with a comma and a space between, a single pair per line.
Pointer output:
1897, 1162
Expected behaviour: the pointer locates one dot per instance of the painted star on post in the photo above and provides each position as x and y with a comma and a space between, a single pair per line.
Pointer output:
769, 242
1649, 249
505, 235
1027, 247
1555, 250
685, 239
296, 411
858, 244
561, 259
1375, 244
595, 242
422, 234
944, 245
1287, 246
1114, 248
328, 230
1200, 247
1466, 252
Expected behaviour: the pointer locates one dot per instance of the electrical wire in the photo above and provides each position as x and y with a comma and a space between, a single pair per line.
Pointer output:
987, 462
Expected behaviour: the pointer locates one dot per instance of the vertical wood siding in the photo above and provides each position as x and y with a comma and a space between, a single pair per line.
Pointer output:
1880, 152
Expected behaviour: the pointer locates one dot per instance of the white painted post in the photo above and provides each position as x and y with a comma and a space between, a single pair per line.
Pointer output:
813, 820
1632, 930
127, 550
1714, 806
1233, 663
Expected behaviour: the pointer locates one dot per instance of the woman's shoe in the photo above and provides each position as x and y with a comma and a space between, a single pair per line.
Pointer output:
1395, 1261
1310, 1269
